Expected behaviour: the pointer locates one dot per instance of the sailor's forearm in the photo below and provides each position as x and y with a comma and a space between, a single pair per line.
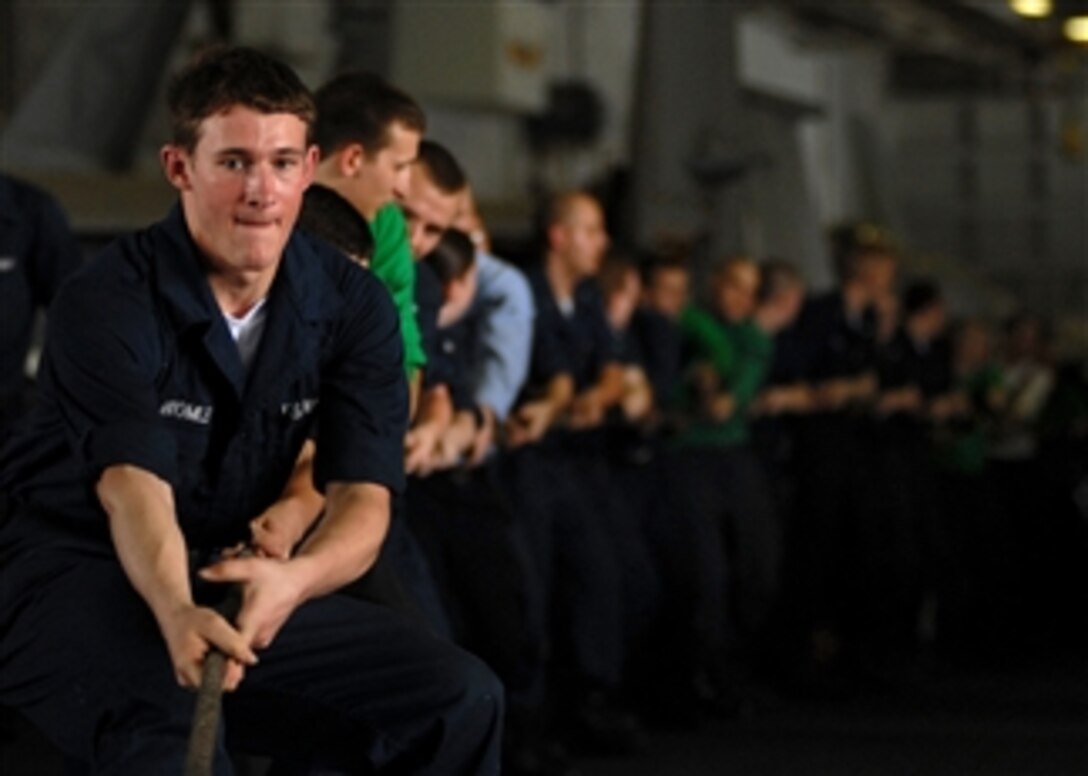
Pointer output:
147, 538
346, 542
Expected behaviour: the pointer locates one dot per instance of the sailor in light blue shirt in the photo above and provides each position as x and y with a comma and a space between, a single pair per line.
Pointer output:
501, 318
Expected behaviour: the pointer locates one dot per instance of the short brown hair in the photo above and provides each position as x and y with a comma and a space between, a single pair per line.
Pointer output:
776, 277
221, 78
452, 257
562, 205
615, 271
725, 269
441, 167
360, 108
667, 259
854, 242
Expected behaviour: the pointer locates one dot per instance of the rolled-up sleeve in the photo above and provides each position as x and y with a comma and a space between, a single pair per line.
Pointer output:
363, 411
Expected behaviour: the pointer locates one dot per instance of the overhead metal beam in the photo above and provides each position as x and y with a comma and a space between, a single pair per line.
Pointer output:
949, 28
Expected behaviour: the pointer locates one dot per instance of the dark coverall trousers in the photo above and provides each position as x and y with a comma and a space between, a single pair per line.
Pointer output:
574, 561
346, 685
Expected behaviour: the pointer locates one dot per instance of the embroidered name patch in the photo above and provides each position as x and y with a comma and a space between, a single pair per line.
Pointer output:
297, 410
183, 410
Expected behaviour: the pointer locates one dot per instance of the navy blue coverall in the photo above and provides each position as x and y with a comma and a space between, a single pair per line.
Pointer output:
37, 251
139, 368
560, 491
833, 454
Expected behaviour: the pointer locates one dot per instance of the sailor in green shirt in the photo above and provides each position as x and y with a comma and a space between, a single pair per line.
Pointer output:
722, 487
727, 364
368, 132
966, 416
395, 267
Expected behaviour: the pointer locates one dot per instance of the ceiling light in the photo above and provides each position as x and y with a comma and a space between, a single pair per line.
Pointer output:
1035, 9
1076, 29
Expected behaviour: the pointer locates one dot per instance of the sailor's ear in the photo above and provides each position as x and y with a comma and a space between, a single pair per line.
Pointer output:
175, 166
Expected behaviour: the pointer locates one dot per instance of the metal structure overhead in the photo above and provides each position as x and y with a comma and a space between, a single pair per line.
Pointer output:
947, 46
947, 27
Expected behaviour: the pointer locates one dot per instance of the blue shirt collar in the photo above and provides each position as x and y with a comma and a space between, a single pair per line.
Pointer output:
183, 282
301, 296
